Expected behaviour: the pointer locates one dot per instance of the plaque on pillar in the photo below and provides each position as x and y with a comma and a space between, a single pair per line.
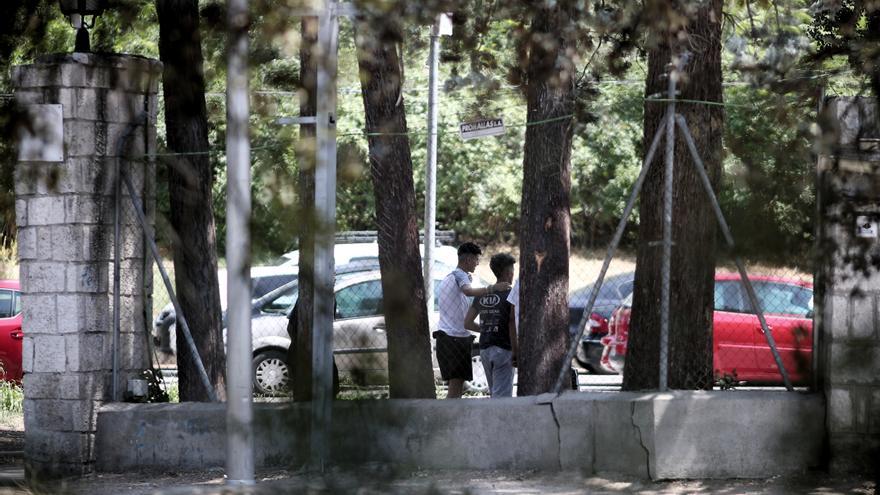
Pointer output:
41, 134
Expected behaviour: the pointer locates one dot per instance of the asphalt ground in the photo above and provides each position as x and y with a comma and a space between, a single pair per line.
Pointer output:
381, 479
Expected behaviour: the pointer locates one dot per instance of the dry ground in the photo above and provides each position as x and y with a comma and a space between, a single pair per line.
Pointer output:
584, 266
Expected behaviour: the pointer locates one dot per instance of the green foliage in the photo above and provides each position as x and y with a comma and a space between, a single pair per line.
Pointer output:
768, 170
726, 381
11, 398
173, 393
769, 174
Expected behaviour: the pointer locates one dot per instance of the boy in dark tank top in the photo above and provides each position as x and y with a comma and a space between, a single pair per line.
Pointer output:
497, 337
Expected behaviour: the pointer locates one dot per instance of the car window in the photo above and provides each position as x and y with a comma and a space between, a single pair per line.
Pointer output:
281, 303
17, 305
359, 300
625, 289
729, 296
785, 299
6, 303
265, 285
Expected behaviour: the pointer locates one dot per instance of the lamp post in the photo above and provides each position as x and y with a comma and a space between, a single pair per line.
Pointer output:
77, 11
442, 27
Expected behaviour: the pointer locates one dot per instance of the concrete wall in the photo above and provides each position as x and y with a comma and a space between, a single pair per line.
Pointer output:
849, 289
65, 214
661, 436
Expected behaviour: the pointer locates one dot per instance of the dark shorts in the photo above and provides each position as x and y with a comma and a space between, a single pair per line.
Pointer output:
454, 356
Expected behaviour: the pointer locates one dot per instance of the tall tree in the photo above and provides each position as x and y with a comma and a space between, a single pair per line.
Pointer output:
546, 217
695, 28
190, 179
406, 314
300, 353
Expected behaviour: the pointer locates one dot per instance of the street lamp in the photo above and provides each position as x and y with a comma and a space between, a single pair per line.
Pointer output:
442, 27
77, 10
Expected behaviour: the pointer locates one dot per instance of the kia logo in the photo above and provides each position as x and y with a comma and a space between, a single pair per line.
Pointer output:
490, 300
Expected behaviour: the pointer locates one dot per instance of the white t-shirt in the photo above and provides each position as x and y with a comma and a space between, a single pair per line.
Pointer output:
453, 303
513, 298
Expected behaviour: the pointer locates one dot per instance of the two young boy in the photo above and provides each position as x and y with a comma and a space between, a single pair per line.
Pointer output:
457, 314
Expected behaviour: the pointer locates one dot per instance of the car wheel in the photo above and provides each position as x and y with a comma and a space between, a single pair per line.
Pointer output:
479, 383
271, 374
592, 359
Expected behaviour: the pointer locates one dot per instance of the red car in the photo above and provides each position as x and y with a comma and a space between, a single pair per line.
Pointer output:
10, 330
739, 346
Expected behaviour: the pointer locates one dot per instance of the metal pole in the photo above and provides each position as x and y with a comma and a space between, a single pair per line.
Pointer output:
116, 282
431, 168
725, 229
325, 210
181, 319
615, 241
666, 267
239, 379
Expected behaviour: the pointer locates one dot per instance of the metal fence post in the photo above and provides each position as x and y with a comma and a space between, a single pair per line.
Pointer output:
667, 227
239, 381
325, 209
116, 267
431, 168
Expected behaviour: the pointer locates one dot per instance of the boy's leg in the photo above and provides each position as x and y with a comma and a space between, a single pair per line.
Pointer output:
454, 388
486, 358
460, 366
502, 372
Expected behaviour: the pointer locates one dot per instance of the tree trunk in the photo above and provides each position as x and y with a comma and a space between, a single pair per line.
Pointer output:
693, 225
190, 179
300, 352
546, 218
406, 315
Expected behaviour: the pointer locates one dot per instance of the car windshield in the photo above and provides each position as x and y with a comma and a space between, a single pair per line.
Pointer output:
614, 288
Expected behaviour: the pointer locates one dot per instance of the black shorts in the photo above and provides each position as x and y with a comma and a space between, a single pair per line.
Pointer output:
454, 356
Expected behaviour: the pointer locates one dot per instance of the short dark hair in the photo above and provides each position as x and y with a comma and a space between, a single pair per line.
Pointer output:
501, 262
469, 248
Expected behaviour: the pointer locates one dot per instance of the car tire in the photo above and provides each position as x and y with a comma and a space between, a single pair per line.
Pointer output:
479, 383
271, 373
593, 361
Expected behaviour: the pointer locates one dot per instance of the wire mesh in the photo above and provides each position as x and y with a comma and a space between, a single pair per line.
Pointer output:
734, 353
740, 353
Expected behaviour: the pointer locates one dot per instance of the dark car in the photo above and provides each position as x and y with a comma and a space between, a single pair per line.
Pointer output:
614, 289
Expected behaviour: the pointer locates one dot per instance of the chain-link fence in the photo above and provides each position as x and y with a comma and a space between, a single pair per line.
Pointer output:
731, 348
739, 352
359, 340
716, 337
728, 350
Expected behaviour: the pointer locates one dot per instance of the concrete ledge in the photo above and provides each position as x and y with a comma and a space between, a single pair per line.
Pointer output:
661, 436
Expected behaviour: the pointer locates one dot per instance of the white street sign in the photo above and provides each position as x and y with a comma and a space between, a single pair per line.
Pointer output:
481, 128
866, 227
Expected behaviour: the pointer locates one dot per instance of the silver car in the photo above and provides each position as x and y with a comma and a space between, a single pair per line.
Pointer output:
359, 338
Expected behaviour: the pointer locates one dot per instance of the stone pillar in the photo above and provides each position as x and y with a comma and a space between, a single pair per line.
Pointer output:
65, 215
848, 289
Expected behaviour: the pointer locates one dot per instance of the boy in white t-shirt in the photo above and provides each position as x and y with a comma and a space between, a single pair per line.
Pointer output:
453, 339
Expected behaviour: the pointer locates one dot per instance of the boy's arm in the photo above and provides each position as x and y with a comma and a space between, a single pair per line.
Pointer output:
514, 343
469, 318
482, 291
